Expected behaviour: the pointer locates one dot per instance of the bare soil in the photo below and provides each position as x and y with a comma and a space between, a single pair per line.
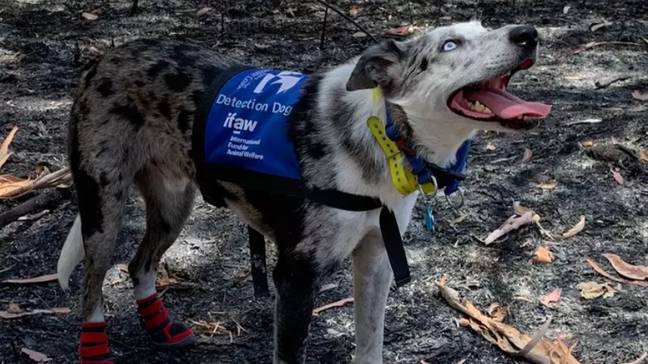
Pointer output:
44, 43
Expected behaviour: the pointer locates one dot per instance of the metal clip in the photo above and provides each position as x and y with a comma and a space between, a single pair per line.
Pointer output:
454, 205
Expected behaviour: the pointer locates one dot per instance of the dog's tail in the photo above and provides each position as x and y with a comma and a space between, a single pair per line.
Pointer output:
71, 254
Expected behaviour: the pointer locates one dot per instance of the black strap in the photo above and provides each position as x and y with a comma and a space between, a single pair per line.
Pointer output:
343, 200
258, 263
394, 246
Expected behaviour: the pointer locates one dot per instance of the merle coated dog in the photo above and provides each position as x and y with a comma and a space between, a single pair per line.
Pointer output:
131, 123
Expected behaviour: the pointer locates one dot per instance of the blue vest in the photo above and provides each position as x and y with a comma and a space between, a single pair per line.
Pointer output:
247, 126
242, 133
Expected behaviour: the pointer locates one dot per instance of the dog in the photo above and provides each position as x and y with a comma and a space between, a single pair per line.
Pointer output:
132, 123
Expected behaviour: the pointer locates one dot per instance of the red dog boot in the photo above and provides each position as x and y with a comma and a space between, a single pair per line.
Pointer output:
164, 331
94, 344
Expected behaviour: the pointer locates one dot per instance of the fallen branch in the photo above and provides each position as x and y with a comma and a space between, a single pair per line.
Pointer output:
39, 202
512, 223
536, 349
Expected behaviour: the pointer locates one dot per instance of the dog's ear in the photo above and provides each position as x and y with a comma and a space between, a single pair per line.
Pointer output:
375, 66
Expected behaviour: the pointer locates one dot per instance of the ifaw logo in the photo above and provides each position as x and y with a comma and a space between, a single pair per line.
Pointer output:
286, 79
239, 124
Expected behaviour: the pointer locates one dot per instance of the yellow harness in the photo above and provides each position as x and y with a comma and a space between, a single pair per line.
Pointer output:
403, 179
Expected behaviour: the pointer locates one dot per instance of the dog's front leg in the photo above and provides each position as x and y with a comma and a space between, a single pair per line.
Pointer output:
372, 277
296, 280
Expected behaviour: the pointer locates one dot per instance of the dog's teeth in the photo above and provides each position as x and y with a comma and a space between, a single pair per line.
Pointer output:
479, 107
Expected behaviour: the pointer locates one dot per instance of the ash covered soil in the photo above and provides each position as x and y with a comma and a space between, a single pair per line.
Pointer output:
43, 45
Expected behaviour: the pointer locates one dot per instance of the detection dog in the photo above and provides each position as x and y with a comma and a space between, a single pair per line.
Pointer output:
131, 124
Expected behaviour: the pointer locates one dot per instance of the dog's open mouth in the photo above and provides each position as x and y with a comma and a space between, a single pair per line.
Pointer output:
489, 101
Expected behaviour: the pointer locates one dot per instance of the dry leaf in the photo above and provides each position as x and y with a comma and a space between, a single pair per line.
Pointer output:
56, 310
355, 10
543, 255
490, 147
89, 16
617, 175
637, 272
598, 269
14, 187
591, 290
575, 229
512, 223
566, 9
35, 355
547, 185
526, 156
4, 147
339, 303
203, 11
39, 279
641, 96
588, 143
10, 185
14, 308
551, 297
643, 154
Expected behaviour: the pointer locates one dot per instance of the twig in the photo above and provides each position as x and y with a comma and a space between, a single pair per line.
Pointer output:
600, 85
339, 303
598, 44
323, 29
342, 14
537, 337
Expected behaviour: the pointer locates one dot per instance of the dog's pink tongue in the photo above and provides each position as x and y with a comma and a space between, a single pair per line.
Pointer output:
507, 106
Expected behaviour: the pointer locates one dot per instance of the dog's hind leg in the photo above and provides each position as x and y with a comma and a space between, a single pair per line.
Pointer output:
372, 277
101, 183
296, 281
169, 200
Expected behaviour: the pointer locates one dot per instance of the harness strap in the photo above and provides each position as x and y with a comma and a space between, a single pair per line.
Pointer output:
394, 246
258, 260
343, 201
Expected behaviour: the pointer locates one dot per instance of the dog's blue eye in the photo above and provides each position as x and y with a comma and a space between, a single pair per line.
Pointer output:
450, 45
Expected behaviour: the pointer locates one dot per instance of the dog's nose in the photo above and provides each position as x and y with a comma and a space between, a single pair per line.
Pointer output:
524, 36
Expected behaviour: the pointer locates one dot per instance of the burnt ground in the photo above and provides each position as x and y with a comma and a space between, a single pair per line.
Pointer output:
43, 44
